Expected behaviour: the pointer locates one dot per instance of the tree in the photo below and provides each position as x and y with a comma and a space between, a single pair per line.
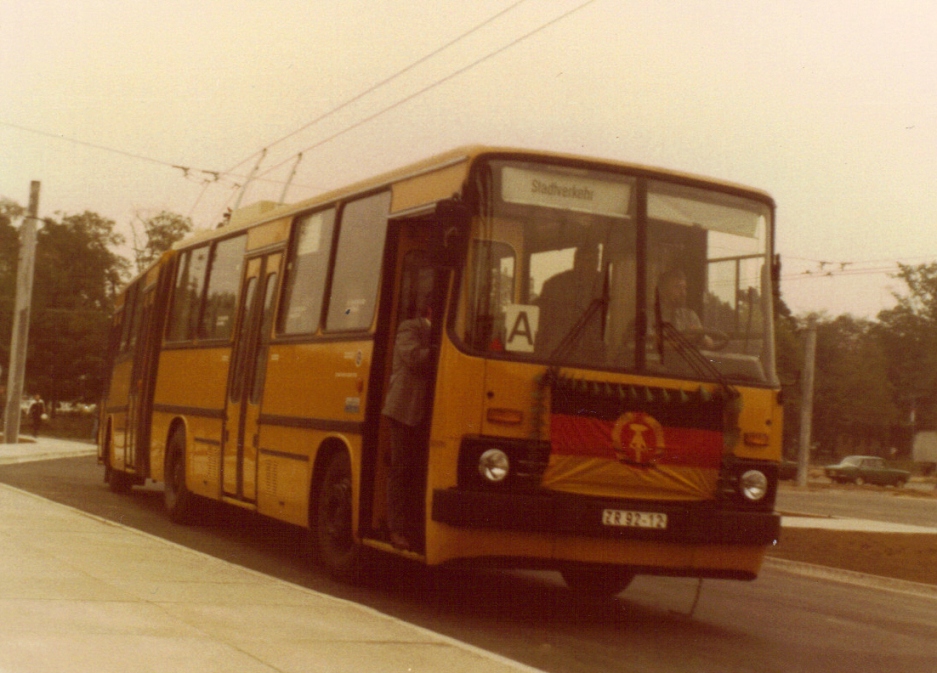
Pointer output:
159, 232
77, 277
9, 252
908, 333
853, 398
789, 349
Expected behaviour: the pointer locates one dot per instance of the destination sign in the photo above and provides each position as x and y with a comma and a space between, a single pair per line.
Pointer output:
564, 191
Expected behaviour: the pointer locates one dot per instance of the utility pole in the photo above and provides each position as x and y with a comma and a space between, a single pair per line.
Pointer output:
24, 292
806, 405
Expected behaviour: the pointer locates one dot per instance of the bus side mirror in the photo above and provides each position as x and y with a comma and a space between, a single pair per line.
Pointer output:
453, 218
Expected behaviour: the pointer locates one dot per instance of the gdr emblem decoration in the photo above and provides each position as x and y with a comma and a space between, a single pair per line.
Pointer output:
638, 439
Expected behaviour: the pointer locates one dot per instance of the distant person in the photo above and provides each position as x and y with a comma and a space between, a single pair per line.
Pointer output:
405, 409
564, 299
37, 413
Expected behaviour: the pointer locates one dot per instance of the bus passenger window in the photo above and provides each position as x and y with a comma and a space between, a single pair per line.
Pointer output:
129, 312
305, 282
224, 279
190, 280
358, 263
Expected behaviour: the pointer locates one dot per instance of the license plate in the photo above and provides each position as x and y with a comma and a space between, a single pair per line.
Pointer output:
626, 519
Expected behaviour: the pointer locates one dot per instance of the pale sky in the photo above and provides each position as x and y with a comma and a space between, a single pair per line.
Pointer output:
829, 106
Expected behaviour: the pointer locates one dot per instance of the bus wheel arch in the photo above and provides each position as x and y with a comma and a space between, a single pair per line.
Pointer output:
179, 500
331, 505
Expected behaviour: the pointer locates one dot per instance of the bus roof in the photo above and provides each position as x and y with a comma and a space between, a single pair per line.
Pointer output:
266, 211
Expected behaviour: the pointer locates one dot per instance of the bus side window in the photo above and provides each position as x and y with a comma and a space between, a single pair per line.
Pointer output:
305, 282
131, 340
187, 297
221, 290
130, 302
358, 260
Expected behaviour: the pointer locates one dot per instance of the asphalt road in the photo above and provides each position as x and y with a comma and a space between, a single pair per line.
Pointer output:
780, 622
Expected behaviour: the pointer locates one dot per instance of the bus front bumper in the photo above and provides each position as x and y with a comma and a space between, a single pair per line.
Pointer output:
562, 513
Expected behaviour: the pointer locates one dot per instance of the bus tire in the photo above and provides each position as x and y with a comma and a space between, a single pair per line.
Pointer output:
597, 581
180, 501
337, 548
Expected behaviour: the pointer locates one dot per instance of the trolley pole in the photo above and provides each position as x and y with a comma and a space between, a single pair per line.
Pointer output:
806, 407
24, 292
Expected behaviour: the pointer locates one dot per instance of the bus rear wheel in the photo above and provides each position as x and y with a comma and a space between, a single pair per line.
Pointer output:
597, 581
337, 549
180, 501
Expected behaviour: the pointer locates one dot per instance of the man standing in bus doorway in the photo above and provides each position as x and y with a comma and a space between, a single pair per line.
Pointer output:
405, 408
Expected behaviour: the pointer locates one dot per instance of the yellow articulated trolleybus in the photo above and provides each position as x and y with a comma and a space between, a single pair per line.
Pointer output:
602, 396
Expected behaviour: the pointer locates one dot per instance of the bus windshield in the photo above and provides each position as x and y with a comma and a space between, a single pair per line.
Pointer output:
599, 269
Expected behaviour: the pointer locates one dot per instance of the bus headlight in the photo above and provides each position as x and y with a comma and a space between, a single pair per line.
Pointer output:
494, 465
753, 485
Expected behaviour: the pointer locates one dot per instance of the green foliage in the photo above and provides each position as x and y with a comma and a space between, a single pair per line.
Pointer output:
908, 333
869, 375
789, 351
9, 250
853, 398
77, 276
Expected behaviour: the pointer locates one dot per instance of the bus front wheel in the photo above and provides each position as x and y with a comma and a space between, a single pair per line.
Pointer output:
180, 501
337, 548
597, 581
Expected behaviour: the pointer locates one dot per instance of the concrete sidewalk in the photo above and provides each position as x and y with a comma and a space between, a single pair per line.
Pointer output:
79, 594
43, 448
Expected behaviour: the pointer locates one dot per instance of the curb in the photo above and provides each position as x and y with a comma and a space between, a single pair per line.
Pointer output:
852, 577
31, 457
